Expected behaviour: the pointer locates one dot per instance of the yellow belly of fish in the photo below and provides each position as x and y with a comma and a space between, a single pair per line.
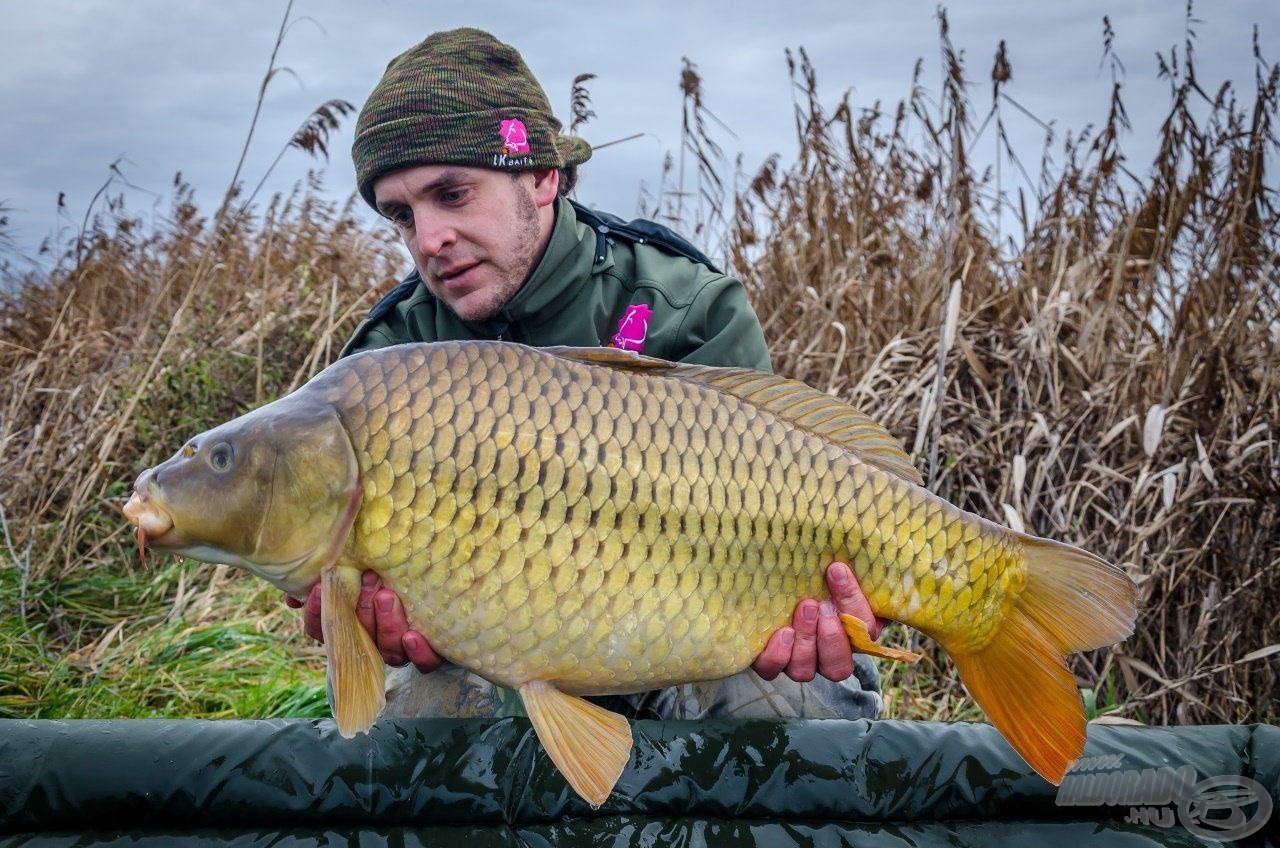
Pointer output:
597, 629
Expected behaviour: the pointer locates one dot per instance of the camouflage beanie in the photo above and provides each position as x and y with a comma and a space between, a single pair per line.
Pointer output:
464, 98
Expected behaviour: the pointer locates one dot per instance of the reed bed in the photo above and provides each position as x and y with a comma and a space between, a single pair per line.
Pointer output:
1110, 377
1102, 370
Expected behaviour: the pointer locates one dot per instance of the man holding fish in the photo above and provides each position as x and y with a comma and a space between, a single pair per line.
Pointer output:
458, 147
567, 521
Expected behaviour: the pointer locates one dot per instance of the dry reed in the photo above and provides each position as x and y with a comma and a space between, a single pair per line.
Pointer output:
1109, 377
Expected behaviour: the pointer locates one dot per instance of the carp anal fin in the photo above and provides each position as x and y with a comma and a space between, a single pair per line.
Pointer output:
1071, 601
860, 638
589, 744
356, 670
794, 401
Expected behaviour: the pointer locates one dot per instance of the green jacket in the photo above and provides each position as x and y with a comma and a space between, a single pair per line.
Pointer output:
592, 289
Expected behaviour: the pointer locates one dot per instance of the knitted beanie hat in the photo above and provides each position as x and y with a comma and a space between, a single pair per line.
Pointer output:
464, 98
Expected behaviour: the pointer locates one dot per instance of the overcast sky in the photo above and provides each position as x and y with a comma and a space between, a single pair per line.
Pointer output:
169, 85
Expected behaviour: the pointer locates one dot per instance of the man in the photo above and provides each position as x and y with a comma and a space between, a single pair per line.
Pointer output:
458, 147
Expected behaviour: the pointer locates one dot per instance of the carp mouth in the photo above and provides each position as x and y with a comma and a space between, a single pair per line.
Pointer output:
150, 519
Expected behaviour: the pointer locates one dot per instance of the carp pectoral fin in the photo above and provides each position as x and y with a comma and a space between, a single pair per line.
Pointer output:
356, 669
863, 643
1071, 601
589, 744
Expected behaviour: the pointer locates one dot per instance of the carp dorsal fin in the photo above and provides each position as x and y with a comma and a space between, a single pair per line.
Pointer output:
610, 357
798, 403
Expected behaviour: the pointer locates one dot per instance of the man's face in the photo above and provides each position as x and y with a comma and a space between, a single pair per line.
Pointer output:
474, 233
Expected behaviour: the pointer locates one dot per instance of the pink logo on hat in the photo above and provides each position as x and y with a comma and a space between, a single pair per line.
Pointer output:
514, 137
633, 327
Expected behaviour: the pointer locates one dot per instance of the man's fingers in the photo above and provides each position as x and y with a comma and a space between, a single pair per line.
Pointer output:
776, 654
391, 627
424, 659
803, 666
835, 660
381, 613
847, 596
311, 614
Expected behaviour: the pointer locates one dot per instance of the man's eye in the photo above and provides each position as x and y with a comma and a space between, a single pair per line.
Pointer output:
402, 218
453, 195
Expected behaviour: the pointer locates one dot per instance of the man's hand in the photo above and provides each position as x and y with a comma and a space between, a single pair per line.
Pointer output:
380, 611
816, 643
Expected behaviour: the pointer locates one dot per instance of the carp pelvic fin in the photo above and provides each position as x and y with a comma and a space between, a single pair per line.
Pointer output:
856, 628
589, 744
1072, 601
356, 670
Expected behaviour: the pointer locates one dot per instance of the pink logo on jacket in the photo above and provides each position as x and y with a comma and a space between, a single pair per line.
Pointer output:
633, 327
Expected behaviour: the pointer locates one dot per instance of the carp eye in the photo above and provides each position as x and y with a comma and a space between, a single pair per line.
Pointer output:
220, 456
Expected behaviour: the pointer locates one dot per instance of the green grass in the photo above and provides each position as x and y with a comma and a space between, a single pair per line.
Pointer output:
182, 640
928, 690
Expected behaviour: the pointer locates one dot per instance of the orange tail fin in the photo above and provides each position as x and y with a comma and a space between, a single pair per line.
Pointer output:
1072, 601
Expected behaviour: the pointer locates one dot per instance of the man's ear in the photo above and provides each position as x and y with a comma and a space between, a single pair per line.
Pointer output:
546, 186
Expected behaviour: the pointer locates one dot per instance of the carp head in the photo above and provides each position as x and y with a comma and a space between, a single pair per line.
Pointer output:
274, 491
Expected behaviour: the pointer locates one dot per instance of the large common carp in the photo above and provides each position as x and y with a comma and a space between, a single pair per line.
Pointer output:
570, 522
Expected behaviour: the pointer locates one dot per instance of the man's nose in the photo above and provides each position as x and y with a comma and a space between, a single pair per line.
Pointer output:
432, 235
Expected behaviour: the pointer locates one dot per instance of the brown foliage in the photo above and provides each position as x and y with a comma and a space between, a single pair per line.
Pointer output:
1113, 380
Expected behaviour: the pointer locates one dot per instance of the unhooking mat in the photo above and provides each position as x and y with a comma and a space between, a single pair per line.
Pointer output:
481, 783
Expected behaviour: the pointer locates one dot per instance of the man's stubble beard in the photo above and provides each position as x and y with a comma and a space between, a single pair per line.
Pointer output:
525, 255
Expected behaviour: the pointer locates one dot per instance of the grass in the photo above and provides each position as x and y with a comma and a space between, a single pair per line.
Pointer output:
118, 359
172, 643
1104, 370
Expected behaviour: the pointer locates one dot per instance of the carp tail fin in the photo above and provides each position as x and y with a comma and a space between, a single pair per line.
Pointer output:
1071, 601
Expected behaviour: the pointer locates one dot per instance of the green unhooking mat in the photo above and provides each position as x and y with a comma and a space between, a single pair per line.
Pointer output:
480, 783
